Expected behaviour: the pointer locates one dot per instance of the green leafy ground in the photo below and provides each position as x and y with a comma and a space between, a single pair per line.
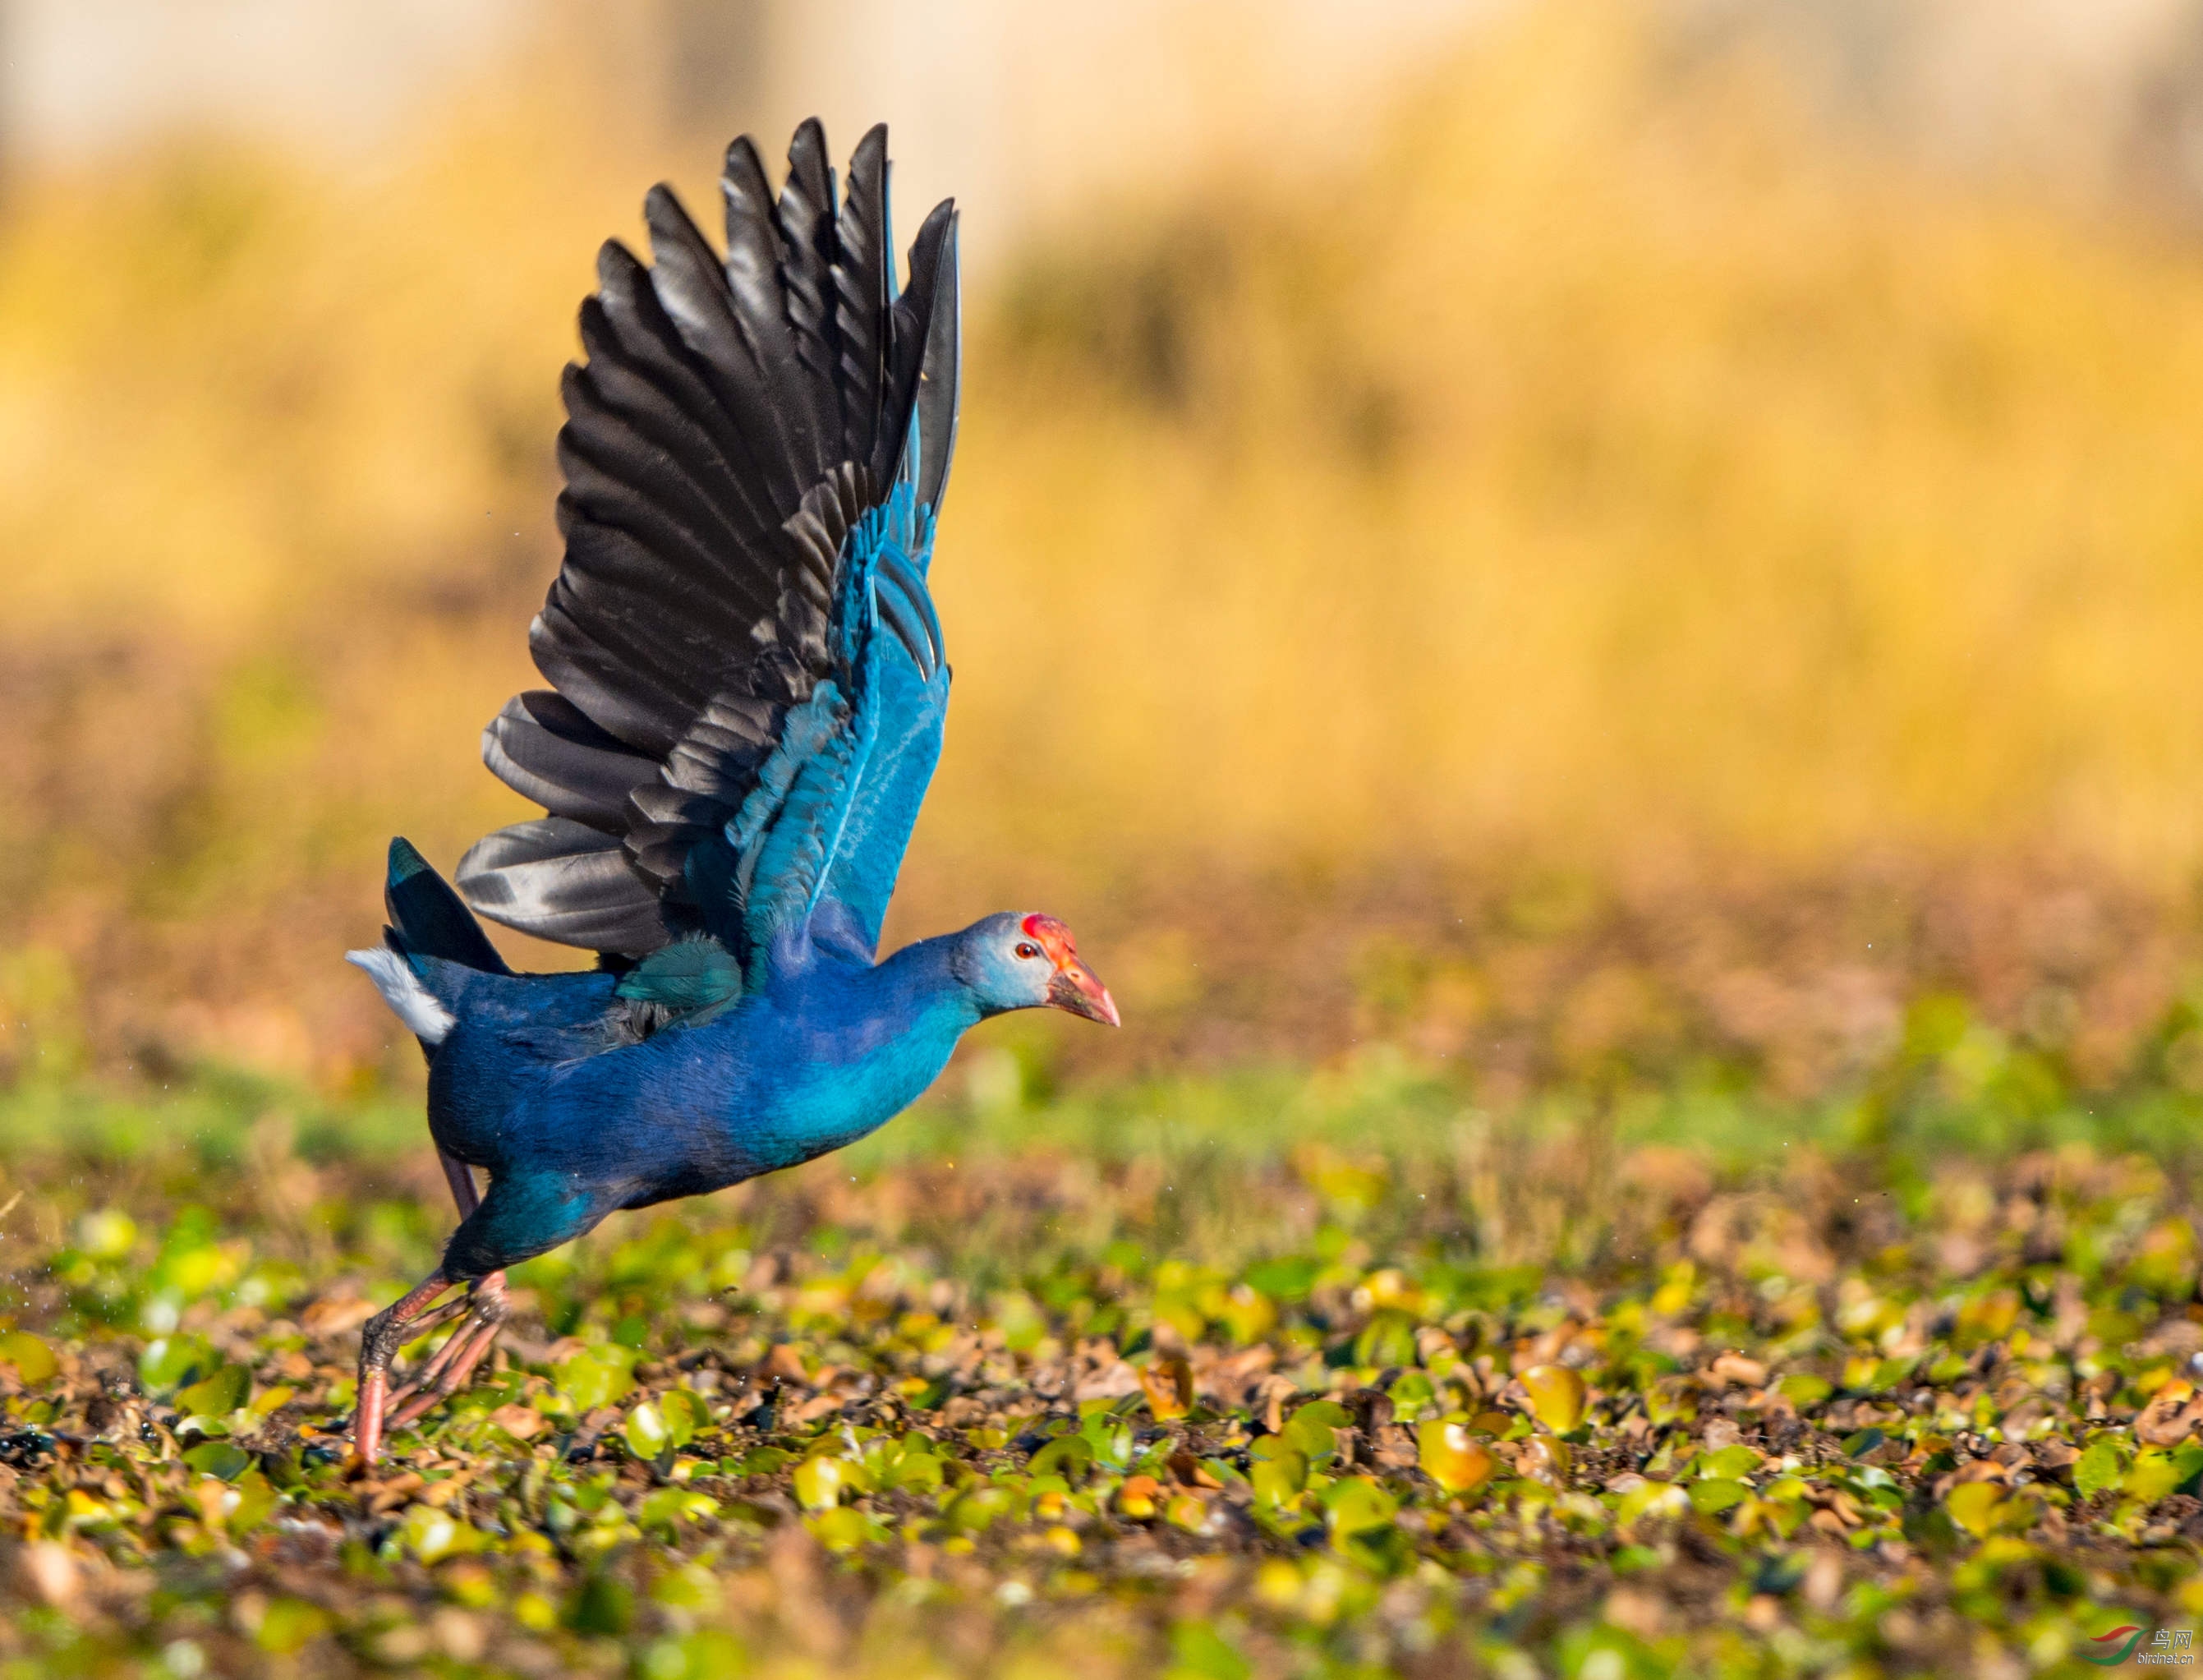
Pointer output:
1281, 1376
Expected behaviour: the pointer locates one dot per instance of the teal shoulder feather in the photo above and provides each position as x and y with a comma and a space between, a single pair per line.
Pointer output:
690, 974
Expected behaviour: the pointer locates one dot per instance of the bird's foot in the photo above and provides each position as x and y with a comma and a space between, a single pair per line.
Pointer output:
381, 1337
452, 1365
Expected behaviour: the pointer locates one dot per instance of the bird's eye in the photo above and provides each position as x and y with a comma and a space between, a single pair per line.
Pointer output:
1028, 950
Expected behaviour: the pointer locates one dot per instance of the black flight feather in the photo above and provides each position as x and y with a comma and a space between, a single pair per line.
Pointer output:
804, 216
542, 746
732, 420
909, 322
566, 882
860, 295
938, 376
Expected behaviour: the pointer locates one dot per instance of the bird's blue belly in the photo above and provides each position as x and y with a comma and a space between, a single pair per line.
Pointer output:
689, 1111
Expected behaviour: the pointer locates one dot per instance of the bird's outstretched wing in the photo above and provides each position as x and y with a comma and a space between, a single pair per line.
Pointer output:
746, 670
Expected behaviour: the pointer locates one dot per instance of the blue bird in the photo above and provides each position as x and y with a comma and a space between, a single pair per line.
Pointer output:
746, 694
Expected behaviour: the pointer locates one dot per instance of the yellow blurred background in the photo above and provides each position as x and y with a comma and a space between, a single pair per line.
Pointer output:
1423, 482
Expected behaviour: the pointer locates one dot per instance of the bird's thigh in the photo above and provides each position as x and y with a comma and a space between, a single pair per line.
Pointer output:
524, 1215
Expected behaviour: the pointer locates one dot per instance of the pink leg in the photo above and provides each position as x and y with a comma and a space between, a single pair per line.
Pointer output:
461, 1178
448, 1369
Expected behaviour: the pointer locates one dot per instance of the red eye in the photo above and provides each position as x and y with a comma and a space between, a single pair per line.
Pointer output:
1028, 950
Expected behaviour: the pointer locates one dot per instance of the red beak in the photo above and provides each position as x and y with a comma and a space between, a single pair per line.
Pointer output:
1076, 991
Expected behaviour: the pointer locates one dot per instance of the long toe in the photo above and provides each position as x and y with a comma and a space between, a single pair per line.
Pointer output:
473, 1340
380, 1340
453, 1366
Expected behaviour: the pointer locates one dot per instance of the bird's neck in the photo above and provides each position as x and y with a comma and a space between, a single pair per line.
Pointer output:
922, 980
860, 1043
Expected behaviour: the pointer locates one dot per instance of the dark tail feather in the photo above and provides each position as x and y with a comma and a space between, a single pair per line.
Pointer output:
429, 918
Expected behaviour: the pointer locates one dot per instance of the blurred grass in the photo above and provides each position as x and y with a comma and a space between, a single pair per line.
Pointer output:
1951, 1090
1603, 470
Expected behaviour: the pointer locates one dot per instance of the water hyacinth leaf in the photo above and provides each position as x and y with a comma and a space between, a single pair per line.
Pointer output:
820, 1482
1356, 1505
1548, 1458
217, 1395
1730, 1463
692, 1586
684, 1414
1247, 1313
168, 1361
289, 1625
1279, 1479
1412, 1389
219, 1458
1453, 1458
192, 1269
846, 1528
1804, 1390
914, 1466
1890, 1373
604, 1605
1652, 1499
1713, 1497
977, 1510
645, 1432
1288, 1279
668, 1505
1187, 1510
430, 1533
711, 1653
1203, 1654
33, 1360
1557, 1397
1110, 1436
2098, 1468
255, 1500
1672, 1401
597, 1377
1067, 1456
106, 1233
2152, 1475
1389, 1339
1975, 1506
1312, 1431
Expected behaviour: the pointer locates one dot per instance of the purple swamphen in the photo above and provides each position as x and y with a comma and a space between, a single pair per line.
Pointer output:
746, 694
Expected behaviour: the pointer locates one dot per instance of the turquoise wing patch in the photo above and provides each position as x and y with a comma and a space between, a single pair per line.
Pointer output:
690, 974
832, 809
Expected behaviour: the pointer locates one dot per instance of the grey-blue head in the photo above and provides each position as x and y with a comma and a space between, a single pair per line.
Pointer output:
1012, 961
